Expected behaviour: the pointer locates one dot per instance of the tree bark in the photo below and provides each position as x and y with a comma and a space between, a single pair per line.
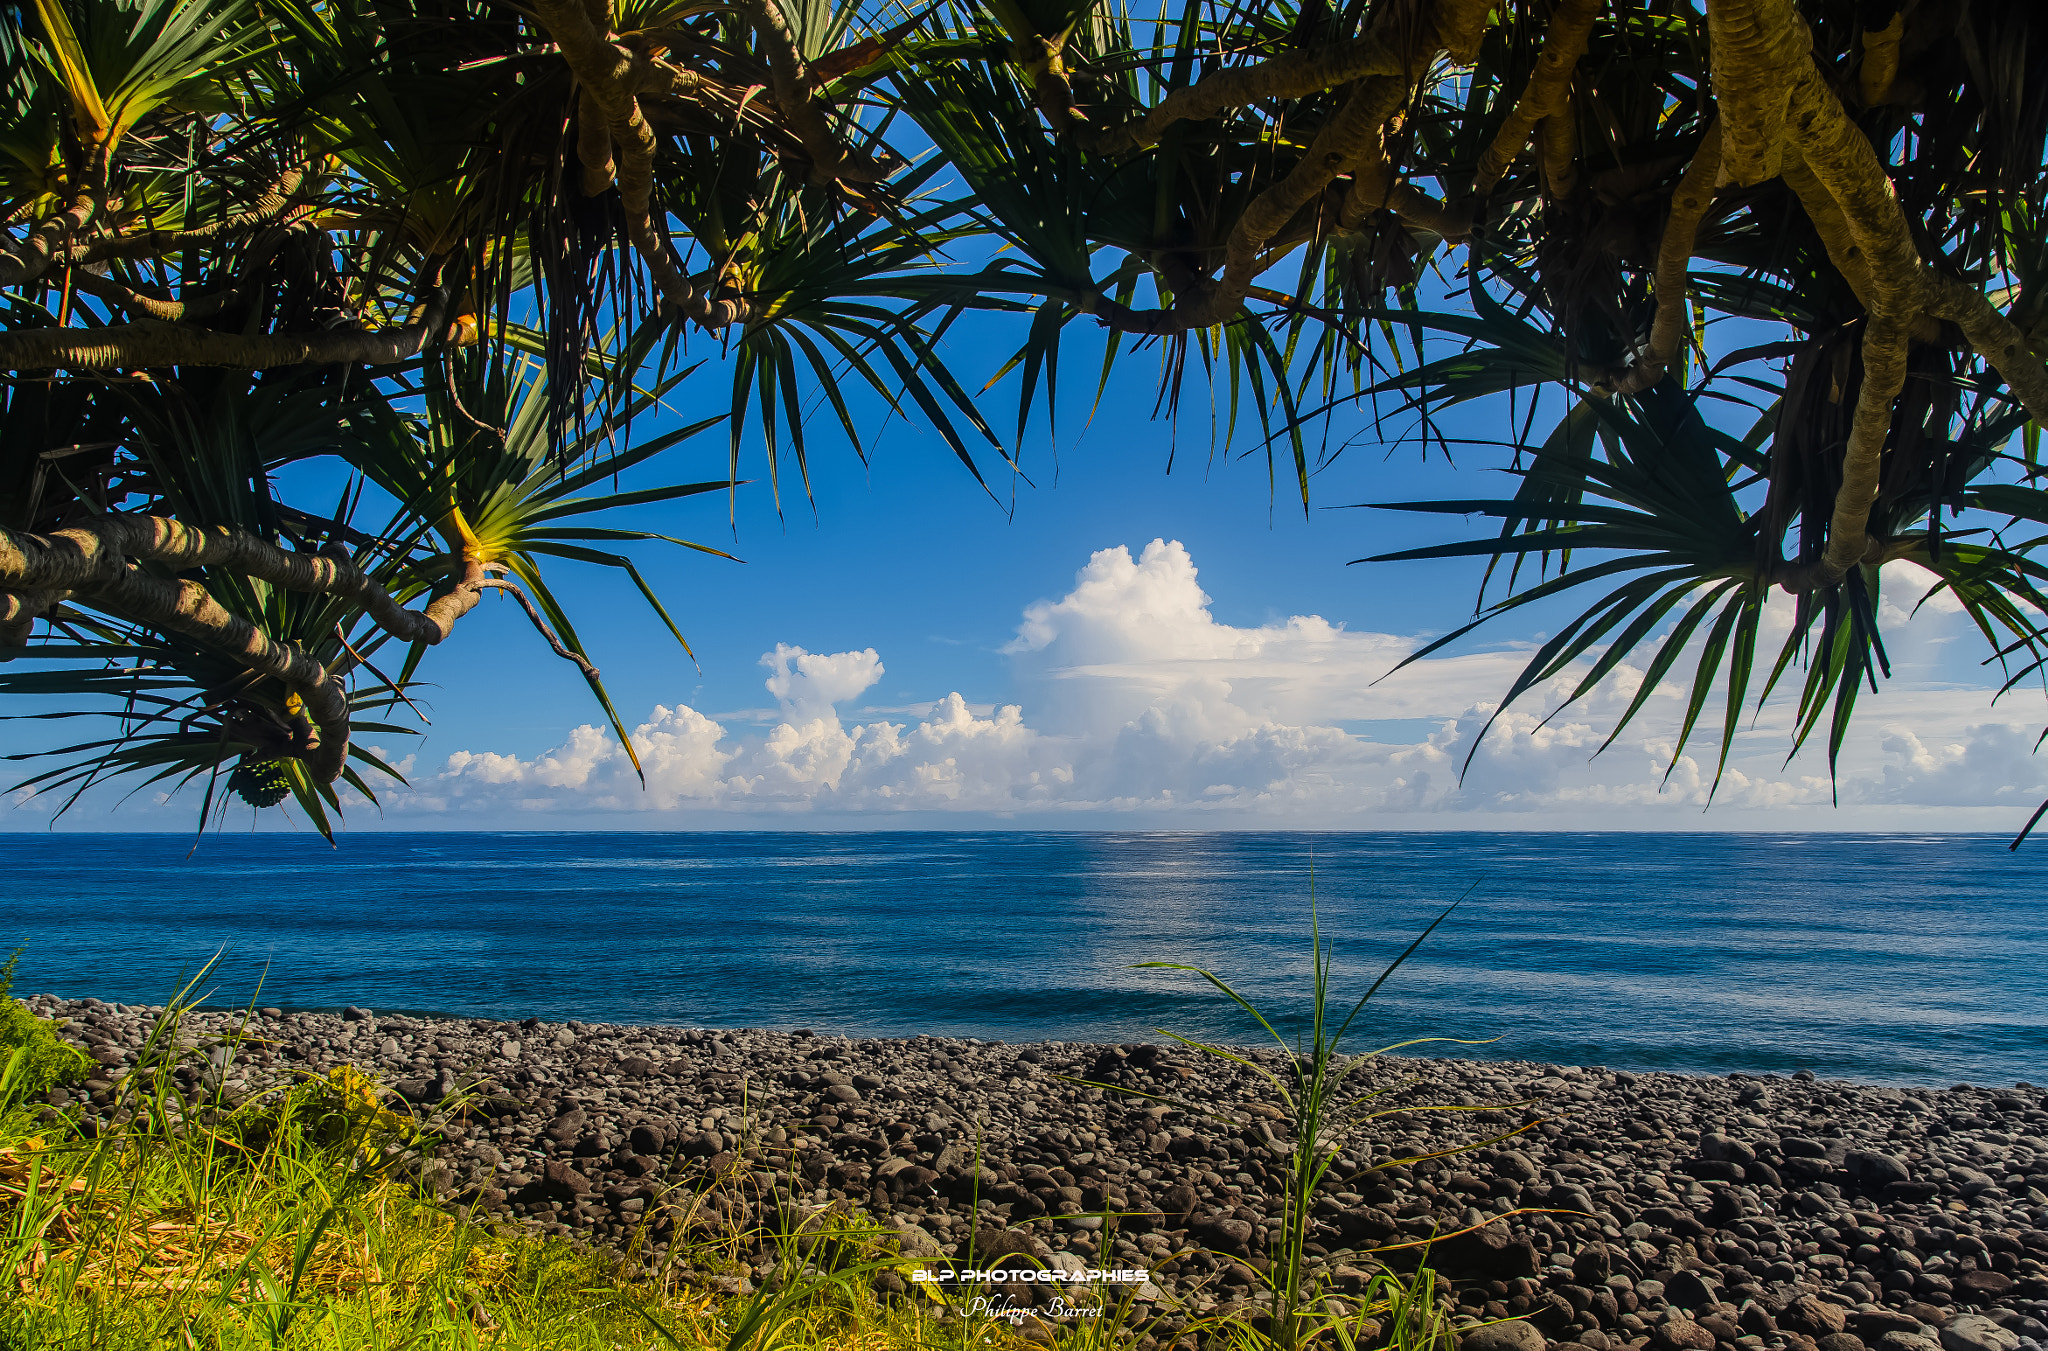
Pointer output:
790, 80
1996, 338
1779, 114
185, 607
153, 307
1760, 49
605, 71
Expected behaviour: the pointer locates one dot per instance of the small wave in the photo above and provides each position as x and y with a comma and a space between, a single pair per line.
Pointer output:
1674, 950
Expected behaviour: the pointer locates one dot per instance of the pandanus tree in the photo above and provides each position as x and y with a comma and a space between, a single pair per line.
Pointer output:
1774, 268
1783, 263
424, 243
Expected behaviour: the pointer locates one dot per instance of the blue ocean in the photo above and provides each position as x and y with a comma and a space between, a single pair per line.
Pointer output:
1878, 958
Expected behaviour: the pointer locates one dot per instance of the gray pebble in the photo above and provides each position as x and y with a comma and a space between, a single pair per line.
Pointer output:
1974, 1332
1713, 1207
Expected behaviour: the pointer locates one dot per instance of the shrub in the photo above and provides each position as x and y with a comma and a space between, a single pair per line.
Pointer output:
35, 1059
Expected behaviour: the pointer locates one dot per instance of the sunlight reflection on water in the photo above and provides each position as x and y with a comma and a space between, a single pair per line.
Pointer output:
1887, 958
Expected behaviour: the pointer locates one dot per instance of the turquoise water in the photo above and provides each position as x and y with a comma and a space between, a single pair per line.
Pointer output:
1882, 958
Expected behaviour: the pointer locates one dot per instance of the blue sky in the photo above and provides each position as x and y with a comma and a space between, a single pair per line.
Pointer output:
1217, 673
908, 554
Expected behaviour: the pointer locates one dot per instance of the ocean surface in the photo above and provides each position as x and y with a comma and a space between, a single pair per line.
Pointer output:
1878, 958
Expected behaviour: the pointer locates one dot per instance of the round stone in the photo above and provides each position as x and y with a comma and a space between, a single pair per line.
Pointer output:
1515, 1336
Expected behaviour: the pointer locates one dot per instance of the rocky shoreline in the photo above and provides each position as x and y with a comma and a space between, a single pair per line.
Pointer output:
1745, 1213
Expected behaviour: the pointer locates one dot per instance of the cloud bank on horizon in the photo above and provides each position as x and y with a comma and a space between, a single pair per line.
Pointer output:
1144, 710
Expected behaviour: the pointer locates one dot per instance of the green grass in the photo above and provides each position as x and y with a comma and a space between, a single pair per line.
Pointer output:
290, 1219
1322, 1108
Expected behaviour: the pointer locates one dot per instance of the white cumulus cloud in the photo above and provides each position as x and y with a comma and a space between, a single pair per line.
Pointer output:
808, 684
1137, 703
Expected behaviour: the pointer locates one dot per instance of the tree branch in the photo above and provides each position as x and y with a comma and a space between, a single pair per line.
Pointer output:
1843, 161
605, 71
1547, 95
1760, 48
1799, 578
561, 650
1348, 139
31, 257
19, 611
148, 343
153, 307
185, 607
1295, 75
1996, 338
274, 202
1052, 89
1374, 187
1689, 202
1780, 114
82, 558
1881, 60
1841, 240
789, 76
91, 564
594, 145
608, 76
1557, 135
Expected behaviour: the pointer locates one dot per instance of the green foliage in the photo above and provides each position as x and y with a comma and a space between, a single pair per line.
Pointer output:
1646, 497
36, 1059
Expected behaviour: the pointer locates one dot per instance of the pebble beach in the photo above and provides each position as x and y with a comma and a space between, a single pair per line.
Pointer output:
1651, 1210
